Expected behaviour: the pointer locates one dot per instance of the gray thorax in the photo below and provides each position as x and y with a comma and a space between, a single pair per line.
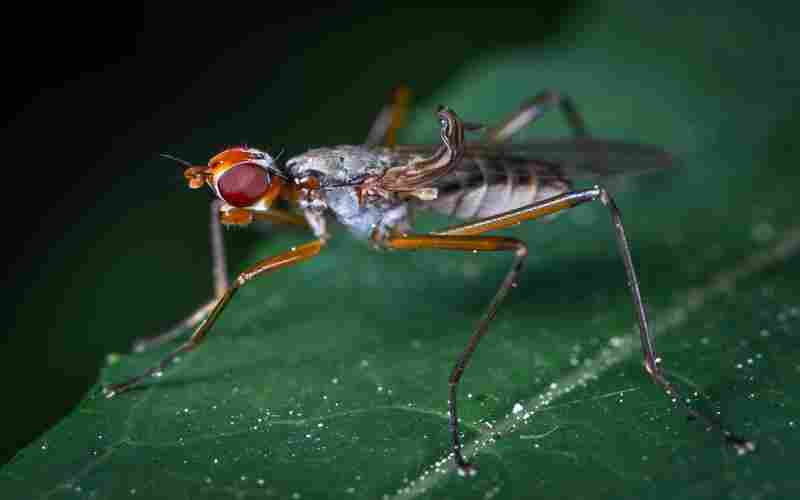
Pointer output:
340, 171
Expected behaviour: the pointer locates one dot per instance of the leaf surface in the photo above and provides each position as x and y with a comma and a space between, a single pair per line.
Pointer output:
329, 379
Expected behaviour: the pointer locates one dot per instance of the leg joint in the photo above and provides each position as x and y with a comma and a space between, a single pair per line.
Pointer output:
603, 195
521, 250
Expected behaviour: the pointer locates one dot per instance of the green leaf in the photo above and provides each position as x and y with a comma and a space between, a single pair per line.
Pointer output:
329, 379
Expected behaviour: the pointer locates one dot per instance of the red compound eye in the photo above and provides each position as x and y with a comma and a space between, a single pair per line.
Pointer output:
243, 184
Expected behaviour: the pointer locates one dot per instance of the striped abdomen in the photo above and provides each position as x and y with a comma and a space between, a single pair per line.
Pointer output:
482, 187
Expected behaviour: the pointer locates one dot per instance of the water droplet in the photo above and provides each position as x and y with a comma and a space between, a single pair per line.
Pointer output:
260, 482
334, 381
517, 408
216, 461
763, 232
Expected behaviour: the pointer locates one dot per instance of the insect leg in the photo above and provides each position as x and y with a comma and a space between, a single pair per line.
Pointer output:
384, 129
293, 256
651, 359
219, 272
281, 217
468, 243
531, 110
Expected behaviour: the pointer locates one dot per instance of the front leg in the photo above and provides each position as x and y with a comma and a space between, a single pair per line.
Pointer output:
221, 215
218, 271
293, 256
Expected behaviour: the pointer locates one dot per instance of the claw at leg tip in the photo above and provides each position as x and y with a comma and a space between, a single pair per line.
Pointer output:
139, 346
744, 447
467, 470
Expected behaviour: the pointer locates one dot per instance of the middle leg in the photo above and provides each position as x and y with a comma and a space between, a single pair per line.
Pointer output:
471, 244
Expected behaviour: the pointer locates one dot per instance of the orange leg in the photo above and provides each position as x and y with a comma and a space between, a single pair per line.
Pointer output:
281, 217
218, 267
465, 237
384, 129
467, 243
293, 256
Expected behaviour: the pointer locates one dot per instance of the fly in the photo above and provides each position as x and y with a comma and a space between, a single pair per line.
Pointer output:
373, 188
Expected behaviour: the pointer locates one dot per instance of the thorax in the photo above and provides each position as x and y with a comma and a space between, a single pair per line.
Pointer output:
340, 172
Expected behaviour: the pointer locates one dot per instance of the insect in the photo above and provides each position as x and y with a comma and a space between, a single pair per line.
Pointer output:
373, 188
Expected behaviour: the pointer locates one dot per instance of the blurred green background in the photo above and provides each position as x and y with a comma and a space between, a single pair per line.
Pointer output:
126, 254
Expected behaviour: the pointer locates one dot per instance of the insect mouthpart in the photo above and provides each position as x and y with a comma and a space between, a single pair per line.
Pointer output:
196, 176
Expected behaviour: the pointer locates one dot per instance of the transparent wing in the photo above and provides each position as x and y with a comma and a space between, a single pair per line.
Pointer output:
571, 158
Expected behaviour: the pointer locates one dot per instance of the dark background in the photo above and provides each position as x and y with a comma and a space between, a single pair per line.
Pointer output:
95, 96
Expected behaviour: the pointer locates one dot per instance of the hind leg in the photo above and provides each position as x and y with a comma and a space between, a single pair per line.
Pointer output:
533, 109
